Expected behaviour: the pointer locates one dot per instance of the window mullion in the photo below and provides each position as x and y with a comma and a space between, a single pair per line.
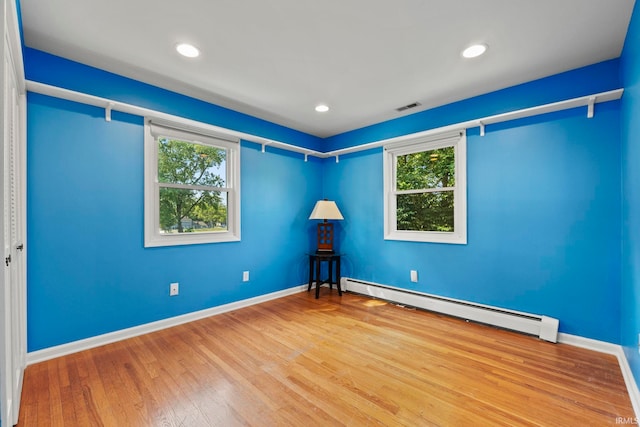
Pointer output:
425, 190
193, 187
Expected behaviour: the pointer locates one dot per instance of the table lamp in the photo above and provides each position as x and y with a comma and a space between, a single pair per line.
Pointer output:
324, 210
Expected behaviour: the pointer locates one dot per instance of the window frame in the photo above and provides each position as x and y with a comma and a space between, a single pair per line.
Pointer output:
197, 133
456, 139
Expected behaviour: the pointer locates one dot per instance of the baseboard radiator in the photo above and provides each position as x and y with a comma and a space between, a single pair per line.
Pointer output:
546, 328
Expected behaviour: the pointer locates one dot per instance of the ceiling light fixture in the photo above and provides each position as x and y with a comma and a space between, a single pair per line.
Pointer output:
188, 50
322, 108
474, 51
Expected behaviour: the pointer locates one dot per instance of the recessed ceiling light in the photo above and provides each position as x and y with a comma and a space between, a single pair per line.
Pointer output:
188, 50
322, 108
474, 50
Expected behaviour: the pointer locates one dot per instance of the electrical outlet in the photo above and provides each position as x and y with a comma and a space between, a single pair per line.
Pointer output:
245, 276
414, 275
174, 289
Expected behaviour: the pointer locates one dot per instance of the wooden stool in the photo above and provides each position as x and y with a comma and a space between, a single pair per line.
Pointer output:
315, 262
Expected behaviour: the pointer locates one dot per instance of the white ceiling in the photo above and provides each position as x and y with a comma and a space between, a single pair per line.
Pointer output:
277, 59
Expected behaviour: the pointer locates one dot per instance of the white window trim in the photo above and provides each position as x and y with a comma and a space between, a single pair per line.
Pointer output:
203, 134
458, 140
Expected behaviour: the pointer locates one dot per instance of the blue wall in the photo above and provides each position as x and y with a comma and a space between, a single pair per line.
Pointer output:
544, 223
88, 272
630, 66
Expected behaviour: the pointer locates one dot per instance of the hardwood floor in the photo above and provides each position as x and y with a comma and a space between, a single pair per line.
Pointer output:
348, 360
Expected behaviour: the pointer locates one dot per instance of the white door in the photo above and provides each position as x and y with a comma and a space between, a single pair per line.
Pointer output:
12, 295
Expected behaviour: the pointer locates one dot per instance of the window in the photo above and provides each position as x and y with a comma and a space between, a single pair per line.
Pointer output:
425, 189
192, 185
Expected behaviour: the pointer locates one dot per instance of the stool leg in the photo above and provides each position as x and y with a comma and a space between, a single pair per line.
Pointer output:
317, 277
330, 274
311, 265
338, 275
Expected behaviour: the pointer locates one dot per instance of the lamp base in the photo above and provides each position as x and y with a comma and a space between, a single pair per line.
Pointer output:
325, 237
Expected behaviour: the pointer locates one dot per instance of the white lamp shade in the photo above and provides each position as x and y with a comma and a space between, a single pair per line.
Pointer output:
326, 209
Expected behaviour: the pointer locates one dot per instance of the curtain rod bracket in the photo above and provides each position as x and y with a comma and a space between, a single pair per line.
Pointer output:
306, 157
337, 159
107, 112
481, 129
263, 150
592, 101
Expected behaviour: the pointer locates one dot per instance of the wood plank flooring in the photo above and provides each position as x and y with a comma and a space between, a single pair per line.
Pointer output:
348, 360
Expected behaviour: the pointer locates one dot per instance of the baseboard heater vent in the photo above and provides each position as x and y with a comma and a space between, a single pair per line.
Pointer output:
542, 326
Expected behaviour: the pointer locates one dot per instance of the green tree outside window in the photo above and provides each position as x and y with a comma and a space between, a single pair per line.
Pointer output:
184, 164
425, 182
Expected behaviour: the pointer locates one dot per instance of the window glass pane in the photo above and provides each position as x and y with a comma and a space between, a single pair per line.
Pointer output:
183, 162
425, 211
192, 211
426, 169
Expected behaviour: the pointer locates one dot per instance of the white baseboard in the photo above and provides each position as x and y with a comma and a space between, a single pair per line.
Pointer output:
85, 344
589, 344
615, 350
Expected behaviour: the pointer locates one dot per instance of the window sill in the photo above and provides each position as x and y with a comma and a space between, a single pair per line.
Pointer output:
158, 240
427, 237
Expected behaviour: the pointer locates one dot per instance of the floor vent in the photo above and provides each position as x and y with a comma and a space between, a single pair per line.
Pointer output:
544, 327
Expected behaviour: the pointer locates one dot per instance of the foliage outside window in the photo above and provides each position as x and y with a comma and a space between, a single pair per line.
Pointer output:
191, 187
425, 190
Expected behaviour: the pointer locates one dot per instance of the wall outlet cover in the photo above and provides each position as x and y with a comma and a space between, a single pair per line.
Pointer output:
174, 289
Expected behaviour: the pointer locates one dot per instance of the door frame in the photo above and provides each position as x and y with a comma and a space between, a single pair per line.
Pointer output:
12, 217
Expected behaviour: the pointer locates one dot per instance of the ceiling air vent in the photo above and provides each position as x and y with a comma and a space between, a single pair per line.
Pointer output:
408, 106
